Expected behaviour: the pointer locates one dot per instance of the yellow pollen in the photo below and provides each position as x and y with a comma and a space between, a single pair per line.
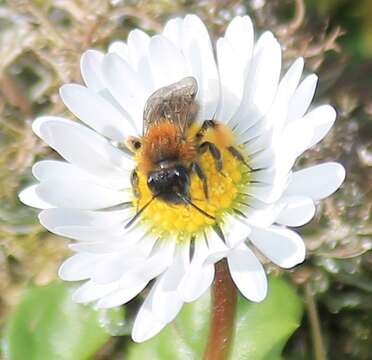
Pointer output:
182, 220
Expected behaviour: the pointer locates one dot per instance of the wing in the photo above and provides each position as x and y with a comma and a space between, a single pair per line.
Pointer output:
175, 103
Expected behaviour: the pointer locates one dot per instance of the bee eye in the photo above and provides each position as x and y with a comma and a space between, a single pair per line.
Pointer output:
136, 144
133, 143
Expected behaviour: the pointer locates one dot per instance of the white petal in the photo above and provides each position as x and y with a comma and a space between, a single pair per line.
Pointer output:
217, 248
133, 265
160, 259
236, 230
302, 98
30, 198
276, 118
104, 245
252, 133
80, 194
97, 240
112, 266
153, 267
96, 112
265, 216
240, 35
197, 48
292, 77
54, 169
252, 202
298, 210
260, 84
77, 267
53, 218
261, 192
231, 70
120, 297
263, 159
166, 301
318, 122
259, 143
198, 281
264, 176
90, 291
126, 86
247, 273
92, 239
90, 66
173, 31
294, 141
96, 244
83, 147
282, 246
138, 44
134, 268
120, 48
317, 182
61, 170
301, 134
146, 325
199, 275
167, 62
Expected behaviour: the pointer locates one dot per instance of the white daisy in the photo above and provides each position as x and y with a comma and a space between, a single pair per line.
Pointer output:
89, 197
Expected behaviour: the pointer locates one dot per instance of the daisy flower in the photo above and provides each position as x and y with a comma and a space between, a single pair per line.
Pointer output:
264, 124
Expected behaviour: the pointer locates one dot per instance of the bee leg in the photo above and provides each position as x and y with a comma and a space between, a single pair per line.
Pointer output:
195, 166
207, 124
237, 155
134, 180
215, 152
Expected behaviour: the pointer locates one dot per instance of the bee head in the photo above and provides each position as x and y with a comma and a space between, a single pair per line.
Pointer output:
170, 184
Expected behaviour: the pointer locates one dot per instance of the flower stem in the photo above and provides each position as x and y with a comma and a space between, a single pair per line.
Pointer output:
316, 333
224, 297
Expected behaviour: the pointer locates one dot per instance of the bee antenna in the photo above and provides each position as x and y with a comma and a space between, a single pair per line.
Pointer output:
140, 211
188, 201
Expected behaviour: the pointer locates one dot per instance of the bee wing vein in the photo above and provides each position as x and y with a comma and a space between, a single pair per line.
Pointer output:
175, 103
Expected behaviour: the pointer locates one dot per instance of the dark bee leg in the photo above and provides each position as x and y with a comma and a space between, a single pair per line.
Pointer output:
215, 152
207, 124
237, 155
134, 180
195, 166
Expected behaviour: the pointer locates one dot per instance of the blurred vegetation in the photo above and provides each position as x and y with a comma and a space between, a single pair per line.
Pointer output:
40, 45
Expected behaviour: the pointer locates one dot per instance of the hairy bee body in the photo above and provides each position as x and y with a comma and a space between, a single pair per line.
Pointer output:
169, 149
165, 152
165, 159
164, 146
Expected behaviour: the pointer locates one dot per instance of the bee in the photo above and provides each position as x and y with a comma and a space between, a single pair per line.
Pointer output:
166, 153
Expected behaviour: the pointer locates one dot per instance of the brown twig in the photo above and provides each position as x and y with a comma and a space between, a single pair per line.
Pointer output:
316, 333
224, 297
14, 95
296, 22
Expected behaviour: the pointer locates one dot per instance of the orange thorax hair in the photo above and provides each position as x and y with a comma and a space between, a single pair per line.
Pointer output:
164, 141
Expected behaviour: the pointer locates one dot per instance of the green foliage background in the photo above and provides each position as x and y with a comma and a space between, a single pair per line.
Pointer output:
40, 45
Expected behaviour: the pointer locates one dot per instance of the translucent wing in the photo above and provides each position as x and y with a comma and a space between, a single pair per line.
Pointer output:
175, 103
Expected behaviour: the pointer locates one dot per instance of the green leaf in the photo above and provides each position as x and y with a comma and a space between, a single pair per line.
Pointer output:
262, 329
48, 325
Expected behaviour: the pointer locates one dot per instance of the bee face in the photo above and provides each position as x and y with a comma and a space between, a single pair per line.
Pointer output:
170, 184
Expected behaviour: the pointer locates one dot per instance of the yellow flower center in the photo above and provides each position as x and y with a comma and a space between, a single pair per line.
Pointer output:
223, 191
